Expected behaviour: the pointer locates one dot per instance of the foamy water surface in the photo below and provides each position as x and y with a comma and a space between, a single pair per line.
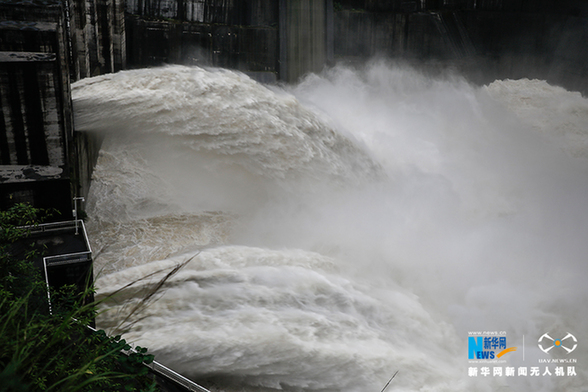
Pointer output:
332, 233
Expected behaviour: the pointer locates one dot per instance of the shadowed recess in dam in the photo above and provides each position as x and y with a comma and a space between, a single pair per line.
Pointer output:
336, 231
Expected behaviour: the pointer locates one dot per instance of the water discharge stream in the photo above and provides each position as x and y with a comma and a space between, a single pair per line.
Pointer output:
336, 231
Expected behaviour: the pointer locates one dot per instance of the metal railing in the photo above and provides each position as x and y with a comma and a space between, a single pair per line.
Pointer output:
163, 371
75, 225
70, 258
65, 258
48, 227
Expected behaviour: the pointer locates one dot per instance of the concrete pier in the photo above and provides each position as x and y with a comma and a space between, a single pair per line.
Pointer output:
267, 39
44, 45
231, 34
305, 37
36, 118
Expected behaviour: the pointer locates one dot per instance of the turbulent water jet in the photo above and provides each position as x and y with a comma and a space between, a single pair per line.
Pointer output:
356, 224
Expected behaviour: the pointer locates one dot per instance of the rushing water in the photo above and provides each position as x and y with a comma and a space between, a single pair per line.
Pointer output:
337, 231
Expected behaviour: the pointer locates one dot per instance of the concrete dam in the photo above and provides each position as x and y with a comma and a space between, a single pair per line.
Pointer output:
46, 45
64, 41
351, 186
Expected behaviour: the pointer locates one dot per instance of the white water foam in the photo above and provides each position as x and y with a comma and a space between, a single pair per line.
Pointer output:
360, 223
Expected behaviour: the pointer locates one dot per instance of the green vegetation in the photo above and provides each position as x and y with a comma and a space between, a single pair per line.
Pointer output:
40, 351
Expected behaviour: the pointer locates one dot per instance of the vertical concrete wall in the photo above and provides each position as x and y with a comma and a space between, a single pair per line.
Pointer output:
97, 37
227, 12
303, 37
36, 110
98, 40
87, 147
286, 38
250, 49
496, 38
84, 40
241, 35
34, 124
36, 120
485, 39
541, 6
43, 46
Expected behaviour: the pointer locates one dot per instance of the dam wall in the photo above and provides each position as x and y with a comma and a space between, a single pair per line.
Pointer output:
267, 39
251, 49
47, 44
284, 39
306, 37
97, 37
483, 39
44, 46
240, 35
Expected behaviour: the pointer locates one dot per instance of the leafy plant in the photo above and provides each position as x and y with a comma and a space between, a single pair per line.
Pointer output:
40, 351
